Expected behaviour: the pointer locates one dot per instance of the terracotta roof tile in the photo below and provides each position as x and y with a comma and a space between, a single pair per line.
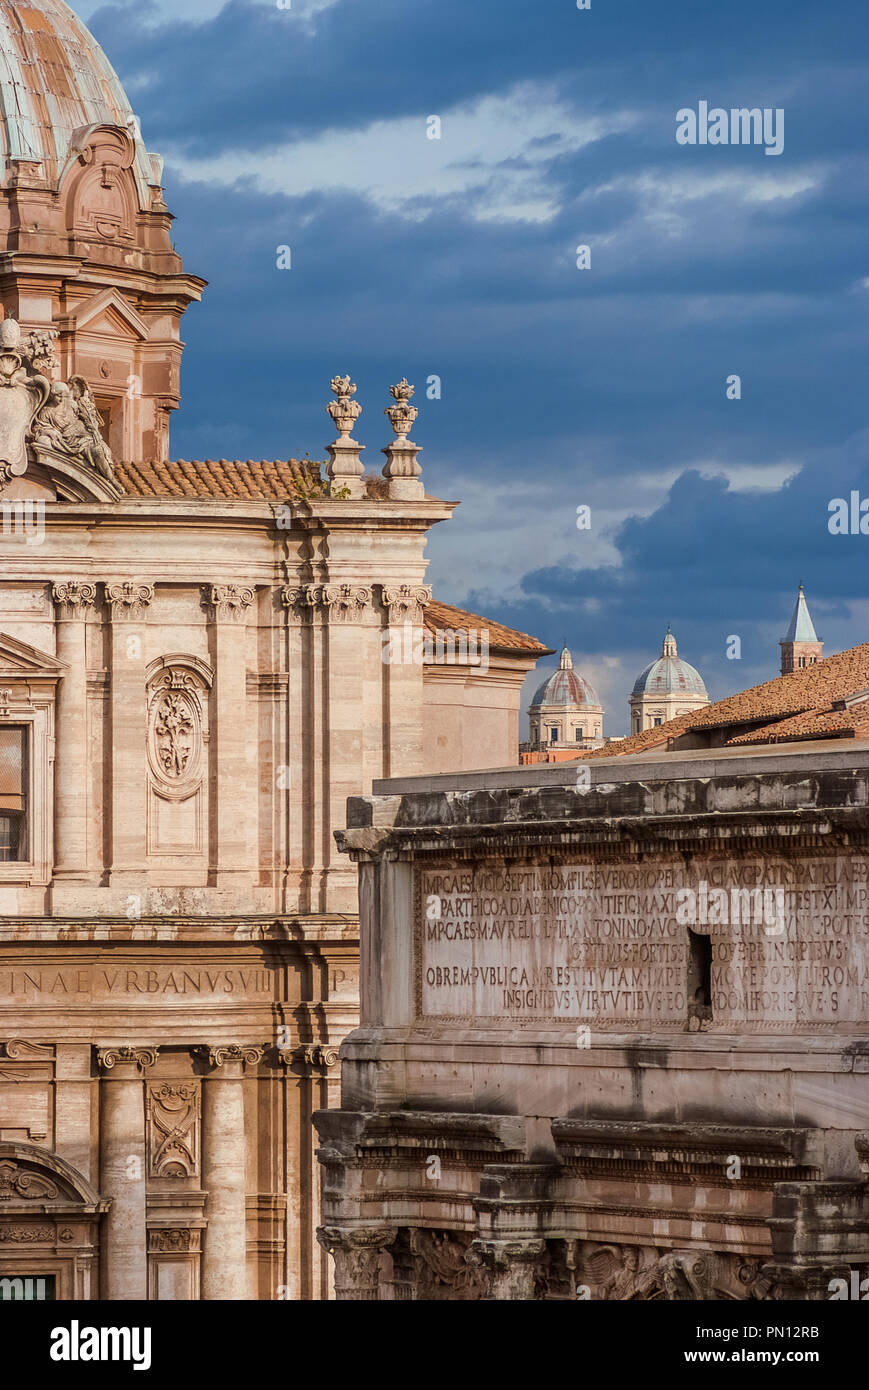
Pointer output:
444, 616
813, 723
810, 690
266, 480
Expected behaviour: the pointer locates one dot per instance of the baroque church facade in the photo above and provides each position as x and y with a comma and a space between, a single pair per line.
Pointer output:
193, 679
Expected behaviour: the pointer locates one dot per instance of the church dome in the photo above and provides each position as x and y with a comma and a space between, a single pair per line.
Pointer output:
55, 81
565, 687
669, 674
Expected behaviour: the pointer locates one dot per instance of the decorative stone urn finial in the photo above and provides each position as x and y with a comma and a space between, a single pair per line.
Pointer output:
401, 415
345, 464
402, 469
344, 411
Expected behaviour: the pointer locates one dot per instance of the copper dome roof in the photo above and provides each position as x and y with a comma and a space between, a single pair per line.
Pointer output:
55, 80
565, 687
669, 674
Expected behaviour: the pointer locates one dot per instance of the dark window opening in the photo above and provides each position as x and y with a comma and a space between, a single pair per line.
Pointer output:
699, 979
13, 793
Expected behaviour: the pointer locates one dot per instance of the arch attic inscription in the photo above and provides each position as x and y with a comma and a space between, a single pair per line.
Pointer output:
614, 945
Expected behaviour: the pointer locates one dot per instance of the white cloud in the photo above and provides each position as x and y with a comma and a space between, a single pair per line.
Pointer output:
199, 11
495, 152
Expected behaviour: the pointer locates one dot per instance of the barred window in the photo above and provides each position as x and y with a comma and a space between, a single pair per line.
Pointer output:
13, 793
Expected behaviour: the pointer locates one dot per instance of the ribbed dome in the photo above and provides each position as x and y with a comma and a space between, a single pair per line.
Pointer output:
669, 674
565, 687
56, 80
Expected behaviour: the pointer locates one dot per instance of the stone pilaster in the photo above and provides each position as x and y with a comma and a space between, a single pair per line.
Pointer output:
122, 1169
356, 1251
224, 1260
232, 851
403, 656
328, 638
127, 603
73, 599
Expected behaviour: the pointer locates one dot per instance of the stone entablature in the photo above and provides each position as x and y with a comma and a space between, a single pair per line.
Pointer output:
642, 973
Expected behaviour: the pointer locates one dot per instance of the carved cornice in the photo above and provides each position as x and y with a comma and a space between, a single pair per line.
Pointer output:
73, 598
229, 602
405, 602
231, 1052
342, 603
142, 1057
128, 600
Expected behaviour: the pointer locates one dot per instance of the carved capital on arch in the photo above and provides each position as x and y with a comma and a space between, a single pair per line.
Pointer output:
73, 598
356, 1252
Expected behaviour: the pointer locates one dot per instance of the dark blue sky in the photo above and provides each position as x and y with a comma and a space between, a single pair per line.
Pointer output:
605, 387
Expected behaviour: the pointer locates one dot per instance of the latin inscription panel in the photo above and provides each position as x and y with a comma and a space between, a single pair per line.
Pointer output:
752, 944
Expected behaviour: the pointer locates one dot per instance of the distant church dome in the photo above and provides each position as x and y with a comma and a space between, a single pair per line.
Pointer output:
55, 80
565, 686
669, 674
565, 712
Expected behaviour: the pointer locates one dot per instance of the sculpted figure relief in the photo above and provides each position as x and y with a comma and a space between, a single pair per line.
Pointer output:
69, 423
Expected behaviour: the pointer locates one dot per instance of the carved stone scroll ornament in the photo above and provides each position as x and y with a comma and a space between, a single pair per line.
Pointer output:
18, 1182
231, 1052
23, 390
143, 1058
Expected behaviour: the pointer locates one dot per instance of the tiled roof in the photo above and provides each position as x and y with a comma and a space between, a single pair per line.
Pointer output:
258, 480
444, 616
811, 689
814, 723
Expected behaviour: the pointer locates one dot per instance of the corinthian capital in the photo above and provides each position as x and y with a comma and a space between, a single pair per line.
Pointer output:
229, 602
405, 602
128, 600
141, 1057
73, 597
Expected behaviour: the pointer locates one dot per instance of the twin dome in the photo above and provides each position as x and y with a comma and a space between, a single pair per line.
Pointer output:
669, 674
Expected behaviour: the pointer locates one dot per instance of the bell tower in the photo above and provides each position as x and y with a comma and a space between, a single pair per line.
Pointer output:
800, 646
